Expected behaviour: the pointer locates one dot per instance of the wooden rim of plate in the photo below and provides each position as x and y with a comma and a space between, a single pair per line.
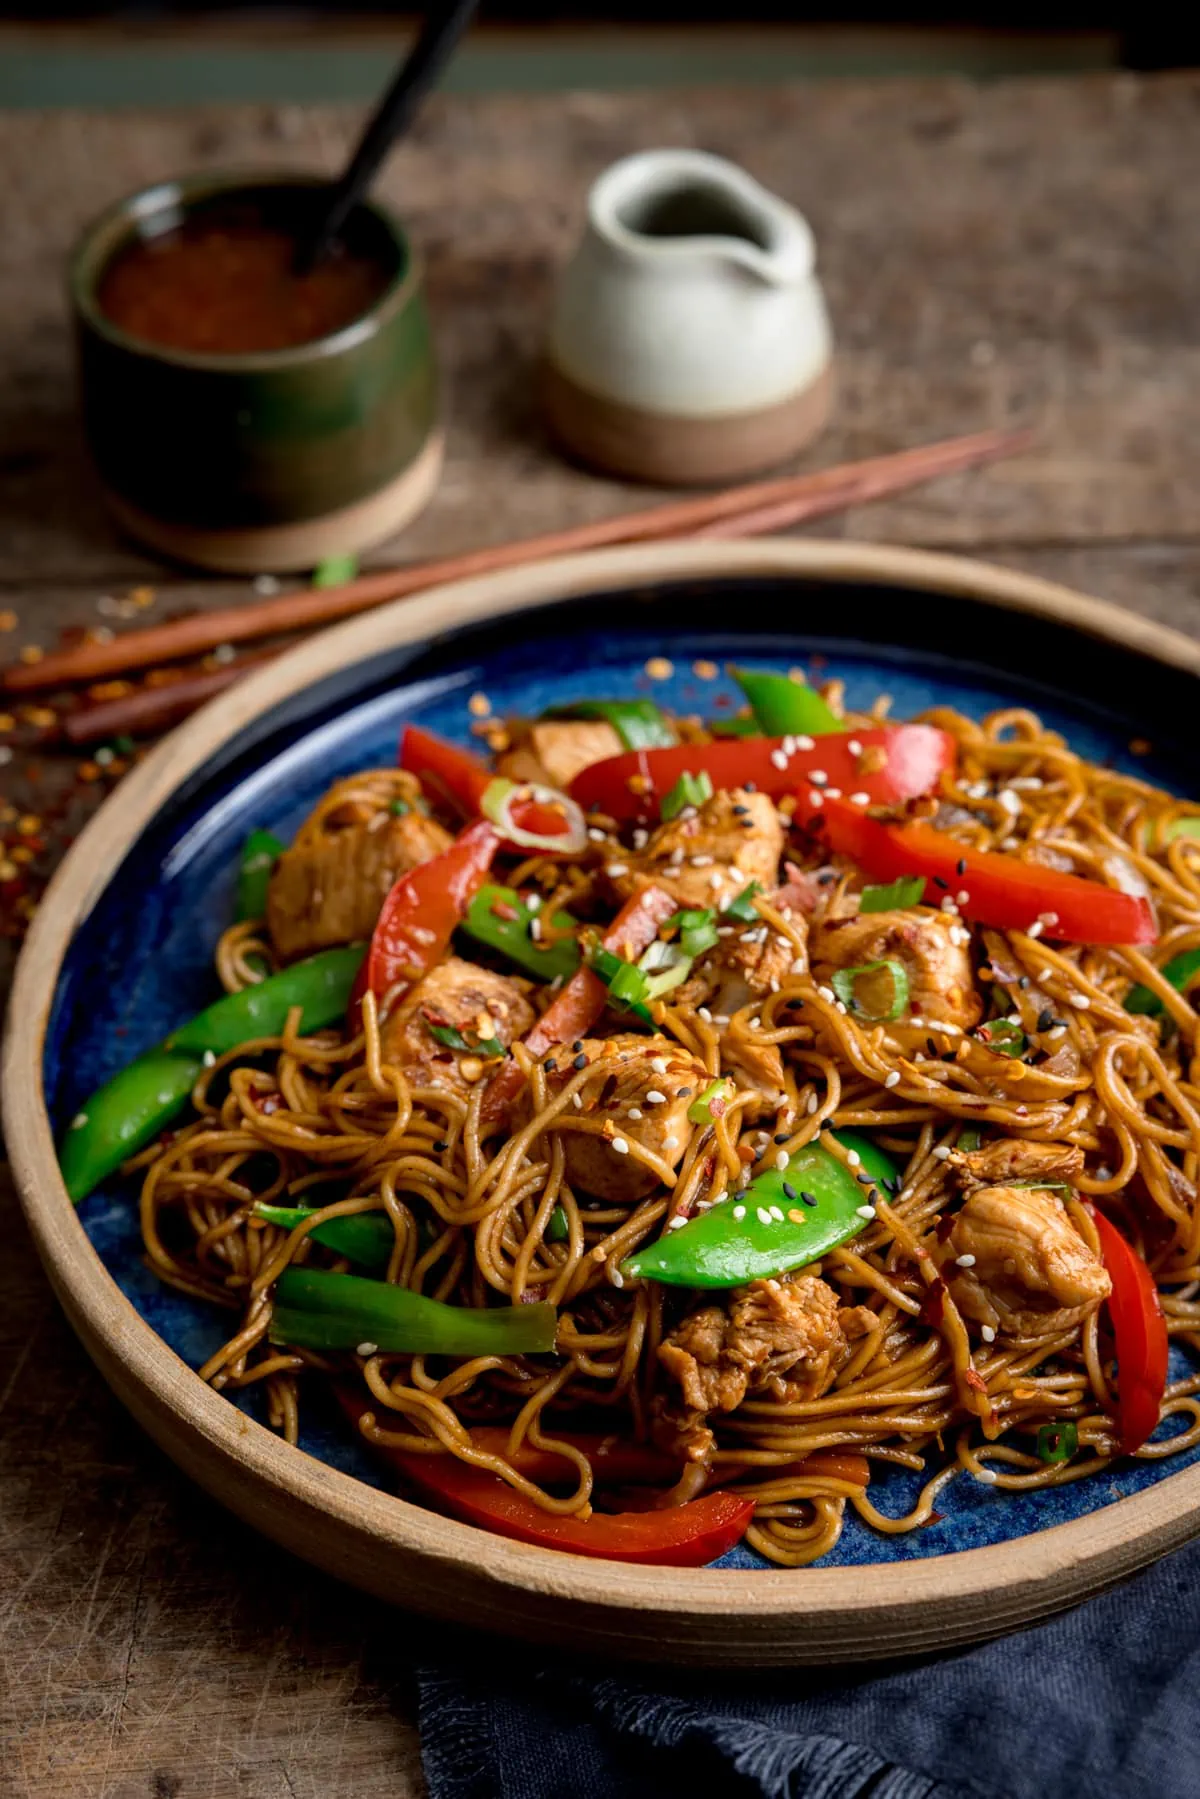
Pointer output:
398, 1550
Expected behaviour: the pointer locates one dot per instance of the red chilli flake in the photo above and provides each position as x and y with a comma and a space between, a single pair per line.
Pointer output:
502, 909
933, 1307
975, 1381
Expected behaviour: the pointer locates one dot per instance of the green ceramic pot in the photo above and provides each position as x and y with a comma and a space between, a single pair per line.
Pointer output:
268, 460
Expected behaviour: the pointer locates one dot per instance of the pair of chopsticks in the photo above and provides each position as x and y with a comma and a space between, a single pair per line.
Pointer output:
745, 511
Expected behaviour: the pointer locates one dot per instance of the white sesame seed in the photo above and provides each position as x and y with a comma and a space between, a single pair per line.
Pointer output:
789, 746
616, 869
977, 792
958, 936
853, 1159
675, 859
620, 1145
1009, 800
596, 834
962, 899
701, 861
854, 746
716, 878
209, 1059
827, 994
635, 1114
781, 1161
965, 1261
947, 1029
818, 777
985, 1475
367, 1349
616, 1277
704, 1013
1080, 1001
659, 1064
942, 1153
949, 906
577, 1101
778, 759
764, 1217
535, 930
892, 1079
840, 1006
756, 1023
777, 1214
865, 1211
79, 1120
805, 743
919, 1057
1036, 928
675, 1224
833, 793
739, 1212
534, 903
654, 1097
640, 838
1029, 783
671, 1142
860, 799
799, 966
987, 1333
813, 1103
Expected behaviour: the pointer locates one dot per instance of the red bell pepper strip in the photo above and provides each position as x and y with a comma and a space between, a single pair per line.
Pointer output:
681, 1536
422, 912
463, 779
1000, 890
1141, 1335
616, 1461
632, 786
574, 1011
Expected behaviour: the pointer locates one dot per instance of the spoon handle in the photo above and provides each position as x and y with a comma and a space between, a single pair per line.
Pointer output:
435, 43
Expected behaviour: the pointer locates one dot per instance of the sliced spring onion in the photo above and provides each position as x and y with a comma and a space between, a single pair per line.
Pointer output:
334, 570
1005, 1037
260, 852
740, 724
399, 808
689, 790
629, 985
896, 896
557, 1227
879, 1004
1180, 827
742, 908
697, 929
315, 1310
501, 796
1178, 972
638, 723
783, 706
969, 1139
711, 1103
1058, 1442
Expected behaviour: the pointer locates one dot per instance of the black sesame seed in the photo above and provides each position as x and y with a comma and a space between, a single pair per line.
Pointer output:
864, 1178
1023, 982
960, 867
782, 1136
578, 1044
551, 1066
1045, 1019
892, 1184
808, 1199
579, 1062
439, 1147
826, 876
741, 811
683, 1093
938, 882
1055, 1023
749, 787
931, 1046
789, 1192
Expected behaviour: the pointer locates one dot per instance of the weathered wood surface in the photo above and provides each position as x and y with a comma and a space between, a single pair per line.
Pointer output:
1019, 252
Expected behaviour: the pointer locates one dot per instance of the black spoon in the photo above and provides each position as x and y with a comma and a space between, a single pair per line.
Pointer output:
444, 25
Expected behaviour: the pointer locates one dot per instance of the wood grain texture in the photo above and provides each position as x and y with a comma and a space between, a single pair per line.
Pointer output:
991, 255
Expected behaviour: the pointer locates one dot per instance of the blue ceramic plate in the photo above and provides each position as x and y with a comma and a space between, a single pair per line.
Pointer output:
142, 960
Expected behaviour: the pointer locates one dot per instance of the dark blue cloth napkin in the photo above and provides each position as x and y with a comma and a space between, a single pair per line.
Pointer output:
1103, 1701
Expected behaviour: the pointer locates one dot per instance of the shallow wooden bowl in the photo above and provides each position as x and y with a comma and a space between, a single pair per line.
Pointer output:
398, 1550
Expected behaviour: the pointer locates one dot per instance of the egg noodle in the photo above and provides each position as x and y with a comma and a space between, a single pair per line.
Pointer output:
328, 1121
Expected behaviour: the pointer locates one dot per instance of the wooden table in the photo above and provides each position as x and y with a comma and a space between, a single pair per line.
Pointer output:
1024, 251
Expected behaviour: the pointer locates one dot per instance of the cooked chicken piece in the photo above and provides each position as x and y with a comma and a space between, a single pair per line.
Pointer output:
475, 1002
711, 857
927, 943
329, 886
1032, 1272
1008, 1159
783, 1337
555, 750
752, 1063
639, 1088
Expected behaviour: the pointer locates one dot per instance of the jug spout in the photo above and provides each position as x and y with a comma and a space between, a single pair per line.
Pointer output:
669, 206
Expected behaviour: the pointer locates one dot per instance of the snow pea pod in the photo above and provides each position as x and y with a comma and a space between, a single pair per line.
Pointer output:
784, 1219
320, 986
363, 1237
314, 1310
499, 918
130, 1110
1178, 972
638, 723
123, 1116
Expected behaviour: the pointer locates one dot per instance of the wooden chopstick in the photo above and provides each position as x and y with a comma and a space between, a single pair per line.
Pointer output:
785, 501
151, 709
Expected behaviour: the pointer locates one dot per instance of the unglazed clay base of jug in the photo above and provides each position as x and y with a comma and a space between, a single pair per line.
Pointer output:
689, 340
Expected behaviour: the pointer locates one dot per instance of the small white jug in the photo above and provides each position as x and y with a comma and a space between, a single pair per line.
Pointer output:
689, 340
